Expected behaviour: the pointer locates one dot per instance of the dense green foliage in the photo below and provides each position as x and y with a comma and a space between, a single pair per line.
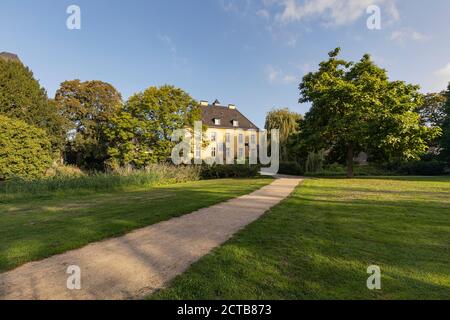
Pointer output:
355, 108
318, 244
218, 171
41, 225
141, 133
25, 150
445, 141
291, 168
88, 107
22, 97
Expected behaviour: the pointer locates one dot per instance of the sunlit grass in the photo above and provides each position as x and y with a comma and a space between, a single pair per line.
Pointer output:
39, 226
318, 244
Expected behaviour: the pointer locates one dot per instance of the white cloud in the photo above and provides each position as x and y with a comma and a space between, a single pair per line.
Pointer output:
408, 35
263, 13
442, 77
277, 76
332, 12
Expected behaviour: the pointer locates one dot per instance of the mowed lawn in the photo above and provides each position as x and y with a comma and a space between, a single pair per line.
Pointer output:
35, 227
319, 243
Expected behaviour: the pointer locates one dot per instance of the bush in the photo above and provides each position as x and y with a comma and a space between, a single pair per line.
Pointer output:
424, 168
25, 151
291, 168
217, 171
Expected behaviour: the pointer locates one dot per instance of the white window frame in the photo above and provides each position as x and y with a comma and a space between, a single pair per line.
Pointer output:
217, 122
235, 123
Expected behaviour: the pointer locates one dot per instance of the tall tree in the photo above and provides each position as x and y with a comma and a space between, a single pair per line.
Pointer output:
141, 133
445, 141
356, 108
88, 107
432, 112
287, 122
22, 97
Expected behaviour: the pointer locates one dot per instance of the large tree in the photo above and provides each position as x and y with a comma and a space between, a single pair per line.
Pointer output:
88, 106
22, 97
287, 122
356, 108
141, 133
432, 111
445, 141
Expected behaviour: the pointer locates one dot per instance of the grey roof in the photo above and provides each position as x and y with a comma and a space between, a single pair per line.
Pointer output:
9, 56
226, 116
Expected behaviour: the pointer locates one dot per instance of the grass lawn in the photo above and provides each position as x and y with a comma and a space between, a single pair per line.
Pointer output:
319, 243
36, 227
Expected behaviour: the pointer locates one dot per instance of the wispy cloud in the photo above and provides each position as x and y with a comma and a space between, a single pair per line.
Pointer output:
331, 12
408, 35
277, 76
170, 44
167, 40
236, 6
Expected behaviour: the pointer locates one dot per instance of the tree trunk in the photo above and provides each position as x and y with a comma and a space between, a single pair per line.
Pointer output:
350, 156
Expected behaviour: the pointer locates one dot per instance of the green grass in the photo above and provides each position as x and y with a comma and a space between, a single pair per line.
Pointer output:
41, 225
318, 244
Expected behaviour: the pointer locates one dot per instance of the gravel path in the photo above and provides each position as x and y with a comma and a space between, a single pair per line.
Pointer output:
137, 264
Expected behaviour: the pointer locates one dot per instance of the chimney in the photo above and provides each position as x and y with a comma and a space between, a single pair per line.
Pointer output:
232, 106
204, 103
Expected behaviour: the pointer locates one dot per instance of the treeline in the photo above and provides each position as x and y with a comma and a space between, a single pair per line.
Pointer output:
87, 124
356, 109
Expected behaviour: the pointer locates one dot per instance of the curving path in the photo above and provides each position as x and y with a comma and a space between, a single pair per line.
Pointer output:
145, 260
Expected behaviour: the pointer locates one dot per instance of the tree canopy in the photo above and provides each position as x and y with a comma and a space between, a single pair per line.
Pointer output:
356, 108
141, 133
88, 107
287, 122
445, 141
22, 97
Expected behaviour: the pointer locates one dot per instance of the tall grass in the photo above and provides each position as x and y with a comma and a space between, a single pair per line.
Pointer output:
157, 174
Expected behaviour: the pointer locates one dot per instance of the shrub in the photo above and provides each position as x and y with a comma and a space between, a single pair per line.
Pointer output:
424, 168
217, 171
291, 168
25, 151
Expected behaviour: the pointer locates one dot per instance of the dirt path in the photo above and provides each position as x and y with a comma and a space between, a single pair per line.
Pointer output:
142, 261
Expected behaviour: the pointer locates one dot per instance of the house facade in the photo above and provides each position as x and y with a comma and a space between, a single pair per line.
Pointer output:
230, 134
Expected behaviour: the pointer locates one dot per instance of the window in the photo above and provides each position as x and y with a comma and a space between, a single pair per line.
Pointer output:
213, 152
241, 138
241, 152
213, 136
228, 152
228, 138
198, 153
253, 139
217, 122
235, 123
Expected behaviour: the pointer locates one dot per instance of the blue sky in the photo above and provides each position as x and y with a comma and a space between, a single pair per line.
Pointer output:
252, 53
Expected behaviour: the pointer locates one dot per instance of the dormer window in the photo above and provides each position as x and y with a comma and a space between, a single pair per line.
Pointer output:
217, 122
235, 123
